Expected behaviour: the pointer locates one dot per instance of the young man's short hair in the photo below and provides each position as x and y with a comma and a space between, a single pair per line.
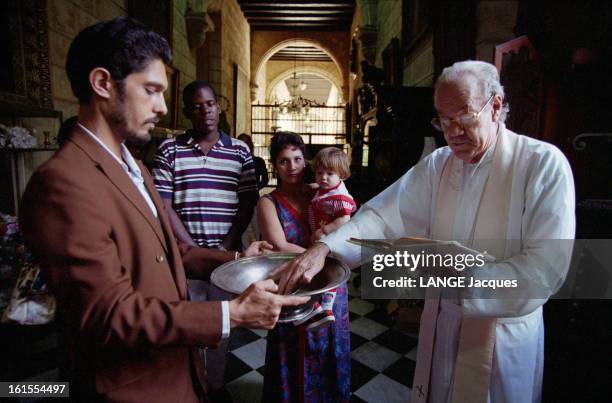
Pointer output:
191, 88
122, 46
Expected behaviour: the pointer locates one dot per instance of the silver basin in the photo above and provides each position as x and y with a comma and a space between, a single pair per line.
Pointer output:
236, 276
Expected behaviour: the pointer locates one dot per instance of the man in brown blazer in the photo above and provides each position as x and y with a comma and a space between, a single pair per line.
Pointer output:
92, 216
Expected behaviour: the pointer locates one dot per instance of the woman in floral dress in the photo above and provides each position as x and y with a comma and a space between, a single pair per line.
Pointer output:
301, 365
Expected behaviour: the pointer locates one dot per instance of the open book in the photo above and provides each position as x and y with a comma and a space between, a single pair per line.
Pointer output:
414, 243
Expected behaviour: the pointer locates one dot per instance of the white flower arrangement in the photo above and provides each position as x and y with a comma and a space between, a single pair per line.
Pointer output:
16, 137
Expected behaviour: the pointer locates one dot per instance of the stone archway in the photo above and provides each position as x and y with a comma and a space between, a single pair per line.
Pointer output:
266, 44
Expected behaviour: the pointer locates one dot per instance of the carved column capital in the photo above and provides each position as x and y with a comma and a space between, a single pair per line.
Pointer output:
366, 35
198, 24
254, 91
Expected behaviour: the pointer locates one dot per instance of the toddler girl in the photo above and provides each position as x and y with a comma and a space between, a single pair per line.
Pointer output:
331, 207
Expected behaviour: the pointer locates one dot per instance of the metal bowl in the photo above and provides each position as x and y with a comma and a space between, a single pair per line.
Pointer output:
237, 275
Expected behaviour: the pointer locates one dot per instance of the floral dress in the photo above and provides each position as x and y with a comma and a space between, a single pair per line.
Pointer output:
307, 365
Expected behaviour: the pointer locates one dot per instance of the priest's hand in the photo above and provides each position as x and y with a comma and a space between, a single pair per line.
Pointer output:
258, 306
302, 269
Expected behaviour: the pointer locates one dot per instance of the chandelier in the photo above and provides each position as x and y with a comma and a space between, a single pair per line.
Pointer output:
297, 105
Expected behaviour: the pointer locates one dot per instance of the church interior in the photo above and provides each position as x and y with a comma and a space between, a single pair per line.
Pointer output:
358, 75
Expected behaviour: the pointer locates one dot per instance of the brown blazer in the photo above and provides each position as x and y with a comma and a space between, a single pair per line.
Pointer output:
118, 275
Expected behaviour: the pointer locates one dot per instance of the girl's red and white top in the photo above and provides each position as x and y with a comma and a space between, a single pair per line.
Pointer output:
329, 204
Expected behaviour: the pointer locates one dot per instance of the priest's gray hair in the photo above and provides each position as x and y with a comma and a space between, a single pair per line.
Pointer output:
485, 75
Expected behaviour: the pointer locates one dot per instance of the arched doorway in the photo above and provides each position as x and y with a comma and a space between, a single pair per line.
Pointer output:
301, 91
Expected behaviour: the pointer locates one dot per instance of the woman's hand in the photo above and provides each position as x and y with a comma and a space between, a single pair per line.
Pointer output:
258, 248
301, 269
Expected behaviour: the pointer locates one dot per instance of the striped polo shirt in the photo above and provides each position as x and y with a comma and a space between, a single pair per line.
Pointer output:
205, 189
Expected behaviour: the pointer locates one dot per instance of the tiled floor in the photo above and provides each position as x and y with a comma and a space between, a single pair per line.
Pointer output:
383, 358
382, 367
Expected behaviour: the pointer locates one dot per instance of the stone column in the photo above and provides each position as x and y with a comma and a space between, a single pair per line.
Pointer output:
366, 35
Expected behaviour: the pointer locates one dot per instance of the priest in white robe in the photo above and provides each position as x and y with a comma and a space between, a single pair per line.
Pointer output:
488, 184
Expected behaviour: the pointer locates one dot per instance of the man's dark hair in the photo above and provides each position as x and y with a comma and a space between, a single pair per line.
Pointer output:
191, 88
281, 140
122, 46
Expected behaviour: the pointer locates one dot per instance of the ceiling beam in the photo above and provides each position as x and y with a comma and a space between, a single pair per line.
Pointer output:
289, 10
302, 24
304, 4
299, 26
283, 56
302, 57
299, 19
258, 12
285, 59
306, 53
322, 28
314, 58
301, 47
300, 15
293, 54
311, 53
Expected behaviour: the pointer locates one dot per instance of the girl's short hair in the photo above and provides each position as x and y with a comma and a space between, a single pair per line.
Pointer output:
334, 159
281, 140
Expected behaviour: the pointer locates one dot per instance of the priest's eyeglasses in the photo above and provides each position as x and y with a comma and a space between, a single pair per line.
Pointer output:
466, 120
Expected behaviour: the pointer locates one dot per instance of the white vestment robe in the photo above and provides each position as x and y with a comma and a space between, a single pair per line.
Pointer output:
540, 209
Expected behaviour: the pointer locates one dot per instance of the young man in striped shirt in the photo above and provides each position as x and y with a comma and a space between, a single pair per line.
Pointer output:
207, 182
206, 177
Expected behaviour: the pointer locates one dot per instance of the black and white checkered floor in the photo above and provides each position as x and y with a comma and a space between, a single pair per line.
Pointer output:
383, 358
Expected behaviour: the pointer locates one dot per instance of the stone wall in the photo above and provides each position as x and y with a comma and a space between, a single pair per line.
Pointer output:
66, 19
235, 49
224, 62
496, 21
389, 25
183, 59
419, 65
208, 58
355, 52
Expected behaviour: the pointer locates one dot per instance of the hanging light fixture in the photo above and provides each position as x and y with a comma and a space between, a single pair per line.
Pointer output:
303, 85
297, 105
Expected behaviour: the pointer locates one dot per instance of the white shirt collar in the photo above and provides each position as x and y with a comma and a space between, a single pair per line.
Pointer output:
130, 167
128, 163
